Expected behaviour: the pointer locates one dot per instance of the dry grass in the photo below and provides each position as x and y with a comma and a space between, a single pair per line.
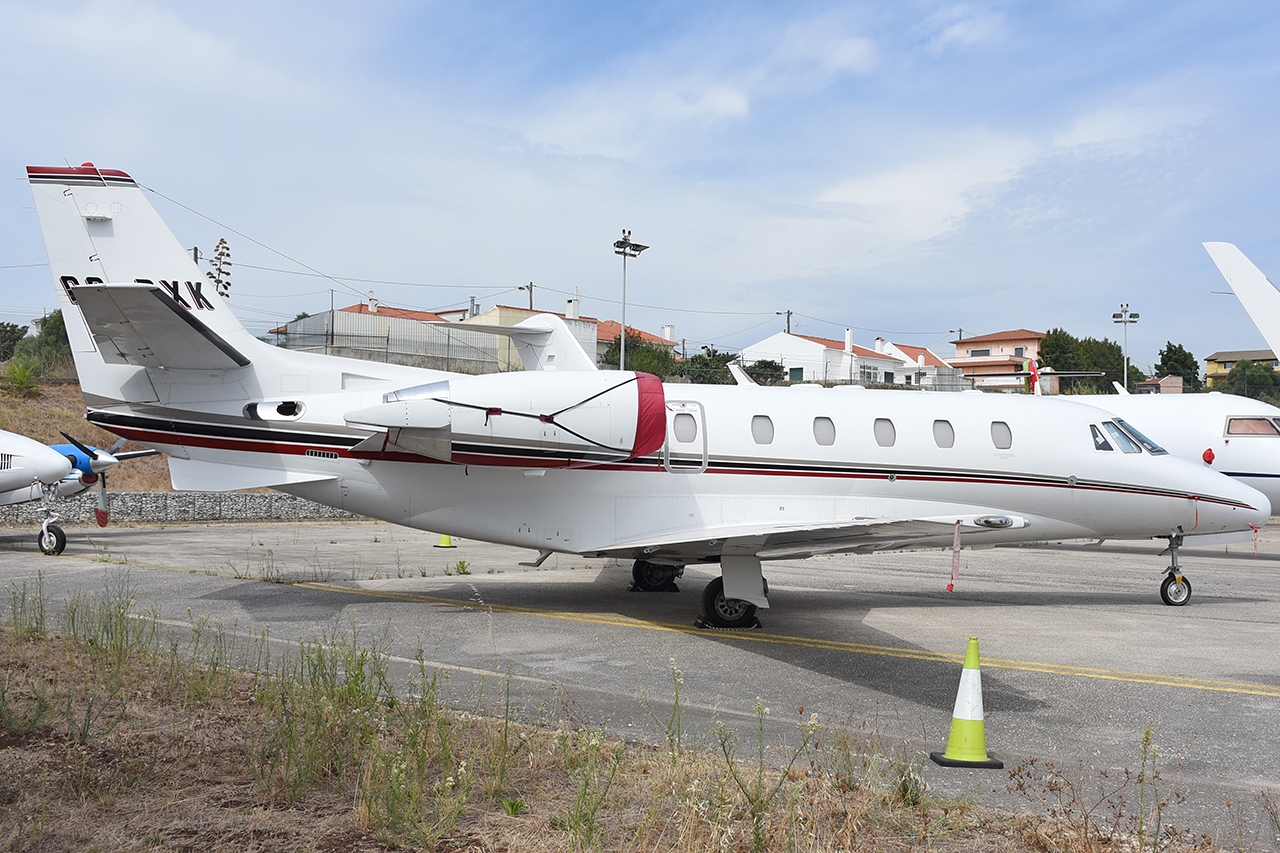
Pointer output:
115, 735
61, 409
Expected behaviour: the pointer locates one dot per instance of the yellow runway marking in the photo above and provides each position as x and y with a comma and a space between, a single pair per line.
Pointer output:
818, 643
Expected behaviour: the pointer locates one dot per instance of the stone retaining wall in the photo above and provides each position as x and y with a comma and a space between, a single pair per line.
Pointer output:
175, 506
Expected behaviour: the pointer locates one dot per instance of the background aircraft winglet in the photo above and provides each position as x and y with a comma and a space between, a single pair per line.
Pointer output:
1255, 292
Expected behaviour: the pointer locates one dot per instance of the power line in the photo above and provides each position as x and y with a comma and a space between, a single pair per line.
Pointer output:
251, 240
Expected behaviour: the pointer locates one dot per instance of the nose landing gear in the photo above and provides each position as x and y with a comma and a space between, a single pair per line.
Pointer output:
51, 539
1175, 589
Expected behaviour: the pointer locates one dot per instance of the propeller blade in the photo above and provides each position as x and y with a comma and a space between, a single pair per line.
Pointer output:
87, 451
101, 511
119, 444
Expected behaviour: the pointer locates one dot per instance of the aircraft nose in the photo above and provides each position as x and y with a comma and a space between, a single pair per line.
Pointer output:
51, 466
1243, 507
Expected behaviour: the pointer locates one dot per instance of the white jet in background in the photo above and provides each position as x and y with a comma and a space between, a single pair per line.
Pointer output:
596, 463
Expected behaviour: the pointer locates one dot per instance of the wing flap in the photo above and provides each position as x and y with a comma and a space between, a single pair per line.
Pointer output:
140, 324
780, 542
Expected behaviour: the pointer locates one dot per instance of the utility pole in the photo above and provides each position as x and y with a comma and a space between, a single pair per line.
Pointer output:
788, 313
959, 332
528, 287
627, 249
195, 255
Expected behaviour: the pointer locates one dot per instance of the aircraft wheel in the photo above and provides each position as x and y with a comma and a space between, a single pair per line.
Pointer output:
1173, 593
726, 612
52, 540
650, 577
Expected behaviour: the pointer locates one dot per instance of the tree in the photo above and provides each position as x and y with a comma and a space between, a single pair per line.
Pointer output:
1176, 361
643, 356
10, 334
709, 367
1059, 349
1248, 379
220, 275
50, 348
766, 372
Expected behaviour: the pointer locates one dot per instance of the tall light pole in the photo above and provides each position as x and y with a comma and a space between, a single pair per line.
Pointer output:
627, 249
1124, 317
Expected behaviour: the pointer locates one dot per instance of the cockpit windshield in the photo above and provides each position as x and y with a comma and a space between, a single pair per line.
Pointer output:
1122, 441
1147, 444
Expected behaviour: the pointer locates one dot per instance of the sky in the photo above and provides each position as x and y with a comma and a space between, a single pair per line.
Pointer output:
906, 169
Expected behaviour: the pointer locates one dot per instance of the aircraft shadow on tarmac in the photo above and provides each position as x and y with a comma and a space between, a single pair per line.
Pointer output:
923, 682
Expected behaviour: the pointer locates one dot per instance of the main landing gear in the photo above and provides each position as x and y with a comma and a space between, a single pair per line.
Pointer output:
721, 612
718, 610
652, 577
1175, 589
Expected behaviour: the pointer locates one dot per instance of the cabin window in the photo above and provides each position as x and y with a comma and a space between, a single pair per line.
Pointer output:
1001, 435
762, 429
1099, 440
886, 435
944, 435
1251, 426
685, 427
1149, 445
824, 431
1126, 444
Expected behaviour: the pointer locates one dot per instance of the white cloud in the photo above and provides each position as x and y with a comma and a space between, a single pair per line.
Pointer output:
921, 199
122, 49
964, 25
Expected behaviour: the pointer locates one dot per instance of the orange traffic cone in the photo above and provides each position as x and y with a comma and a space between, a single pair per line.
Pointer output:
967, 744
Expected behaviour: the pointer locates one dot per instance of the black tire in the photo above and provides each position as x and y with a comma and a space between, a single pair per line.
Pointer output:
1173, 593
726, 612
52, 540
650, 577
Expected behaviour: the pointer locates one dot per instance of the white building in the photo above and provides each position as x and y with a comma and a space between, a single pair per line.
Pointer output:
805, 358
925, 367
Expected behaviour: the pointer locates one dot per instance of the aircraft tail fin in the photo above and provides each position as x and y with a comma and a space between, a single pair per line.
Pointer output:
1255, 292
131, 295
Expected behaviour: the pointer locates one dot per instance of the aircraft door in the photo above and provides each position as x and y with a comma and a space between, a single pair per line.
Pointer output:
685, 451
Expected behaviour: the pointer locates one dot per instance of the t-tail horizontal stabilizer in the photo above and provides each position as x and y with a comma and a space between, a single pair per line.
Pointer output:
142, 325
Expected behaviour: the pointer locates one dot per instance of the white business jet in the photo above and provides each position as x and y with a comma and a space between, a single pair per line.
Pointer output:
1235, 435
590, 462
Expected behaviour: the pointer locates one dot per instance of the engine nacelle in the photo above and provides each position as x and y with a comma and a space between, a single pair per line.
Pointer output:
527, 419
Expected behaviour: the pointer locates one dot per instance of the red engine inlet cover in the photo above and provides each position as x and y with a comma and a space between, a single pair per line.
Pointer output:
651, 416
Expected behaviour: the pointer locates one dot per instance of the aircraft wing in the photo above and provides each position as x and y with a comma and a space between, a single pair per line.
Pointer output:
543, 341
142, 325
1258, 295
784, 542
